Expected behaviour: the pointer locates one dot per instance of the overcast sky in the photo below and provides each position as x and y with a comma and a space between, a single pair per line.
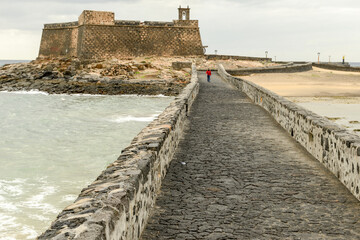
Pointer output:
287, 29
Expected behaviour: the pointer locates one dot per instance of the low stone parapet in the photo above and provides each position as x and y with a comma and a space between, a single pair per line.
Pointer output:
284, 68
117, 204
127, 23
332, 145
226, 57
337, 67
61, 25
157, 23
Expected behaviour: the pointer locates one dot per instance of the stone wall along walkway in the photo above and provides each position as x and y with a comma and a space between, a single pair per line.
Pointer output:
238, 175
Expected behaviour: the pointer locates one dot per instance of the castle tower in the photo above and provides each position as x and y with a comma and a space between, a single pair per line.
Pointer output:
184, 13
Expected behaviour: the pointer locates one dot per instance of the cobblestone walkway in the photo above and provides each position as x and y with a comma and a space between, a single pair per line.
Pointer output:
238, 175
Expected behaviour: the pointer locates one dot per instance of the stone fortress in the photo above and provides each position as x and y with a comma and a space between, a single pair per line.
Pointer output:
97, 35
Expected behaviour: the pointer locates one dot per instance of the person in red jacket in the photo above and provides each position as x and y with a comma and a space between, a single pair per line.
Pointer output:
208, 73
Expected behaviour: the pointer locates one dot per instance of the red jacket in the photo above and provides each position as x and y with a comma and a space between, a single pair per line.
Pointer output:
208, 72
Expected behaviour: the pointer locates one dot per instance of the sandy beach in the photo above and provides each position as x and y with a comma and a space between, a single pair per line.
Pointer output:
332, 94
315, 83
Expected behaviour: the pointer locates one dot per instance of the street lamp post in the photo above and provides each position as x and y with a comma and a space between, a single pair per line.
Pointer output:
329, 58
266, 53
318, 57
275, 58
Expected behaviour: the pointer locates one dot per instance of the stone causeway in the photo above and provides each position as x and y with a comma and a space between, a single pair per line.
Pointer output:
238, 175
227, 159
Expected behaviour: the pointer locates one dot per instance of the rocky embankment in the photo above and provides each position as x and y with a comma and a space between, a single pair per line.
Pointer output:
65, 75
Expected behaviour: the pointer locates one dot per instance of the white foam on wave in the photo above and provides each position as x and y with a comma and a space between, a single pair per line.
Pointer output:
158, 96
12, 230
15, 180
82, 95
130, 118
39, 217
147, 96
35, 206
69, 198
31, 92
37, 201
7, 206
7, 222
35, 91
29, 232
7, 238
9, 189
120, 95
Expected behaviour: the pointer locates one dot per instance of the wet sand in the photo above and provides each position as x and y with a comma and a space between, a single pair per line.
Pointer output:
316, 83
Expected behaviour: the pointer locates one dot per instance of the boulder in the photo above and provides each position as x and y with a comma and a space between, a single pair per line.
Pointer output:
181, 65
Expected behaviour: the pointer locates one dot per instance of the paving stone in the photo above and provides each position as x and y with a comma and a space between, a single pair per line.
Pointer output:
246, 177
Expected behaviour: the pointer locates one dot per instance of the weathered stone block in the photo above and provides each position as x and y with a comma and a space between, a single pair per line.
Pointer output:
96, 18
181, 65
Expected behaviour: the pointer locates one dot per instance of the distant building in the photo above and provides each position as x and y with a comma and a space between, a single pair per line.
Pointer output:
97, 35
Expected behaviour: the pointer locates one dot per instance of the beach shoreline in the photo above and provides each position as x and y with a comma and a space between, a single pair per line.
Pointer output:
139, 75
316, 83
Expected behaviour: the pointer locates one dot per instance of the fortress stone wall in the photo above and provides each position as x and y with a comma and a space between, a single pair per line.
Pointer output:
97, 35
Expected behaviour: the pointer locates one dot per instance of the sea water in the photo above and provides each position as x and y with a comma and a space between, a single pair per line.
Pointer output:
3, 62
52, 146
354, 64
344, 111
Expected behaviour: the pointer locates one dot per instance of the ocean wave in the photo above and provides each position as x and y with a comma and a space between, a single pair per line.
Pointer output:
7, 222
147, 96
37, 201
7, 206
11, 188
130, 118
31, 92
35, 91
29, 232
69, 198
14, 230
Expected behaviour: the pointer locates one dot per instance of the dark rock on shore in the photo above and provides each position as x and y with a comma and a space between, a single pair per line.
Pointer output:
71, 76
57, 86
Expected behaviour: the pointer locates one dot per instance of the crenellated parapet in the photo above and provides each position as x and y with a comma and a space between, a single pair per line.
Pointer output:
61, 25
127, 23
186, 23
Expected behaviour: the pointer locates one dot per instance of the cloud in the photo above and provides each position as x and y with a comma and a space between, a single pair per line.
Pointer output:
289, 29
18, 44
